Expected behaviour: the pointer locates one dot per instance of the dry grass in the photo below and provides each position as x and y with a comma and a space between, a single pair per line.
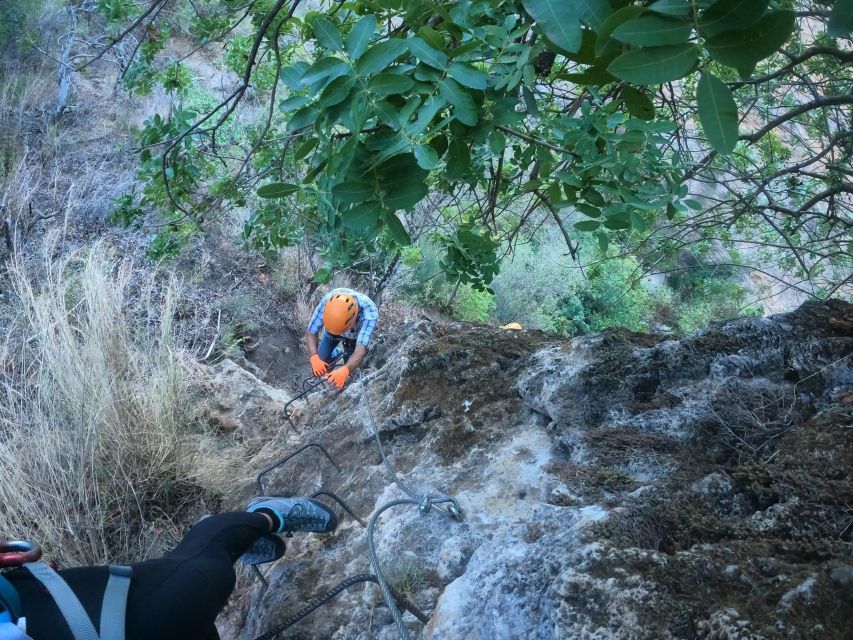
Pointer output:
94, 416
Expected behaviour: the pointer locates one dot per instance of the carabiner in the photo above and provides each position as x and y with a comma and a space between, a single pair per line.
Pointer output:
14, 553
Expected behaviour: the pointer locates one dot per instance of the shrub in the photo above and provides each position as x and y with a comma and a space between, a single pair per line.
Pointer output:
94, 411
421, 282
542, 289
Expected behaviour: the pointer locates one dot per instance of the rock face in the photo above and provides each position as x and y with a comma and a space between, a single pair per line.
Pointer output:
614, 486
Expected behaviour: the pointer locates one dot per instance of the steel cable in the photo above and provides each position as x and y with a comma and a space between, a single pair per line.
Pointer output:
322, 599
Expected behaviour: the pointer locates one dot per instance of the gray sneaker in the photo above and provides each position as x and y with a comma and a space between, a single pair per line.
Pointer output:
296, 514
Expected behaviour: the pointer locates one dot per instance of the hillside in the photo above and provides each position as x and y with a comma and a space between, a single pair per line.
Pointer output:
617, 486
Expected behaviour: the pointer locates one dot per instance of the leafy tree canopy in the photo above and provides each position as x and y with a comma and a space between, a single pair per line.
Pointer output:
652, 124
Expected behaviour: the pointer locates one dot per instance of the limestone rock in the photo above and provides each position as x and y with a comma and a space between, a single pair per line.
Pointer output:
614, 486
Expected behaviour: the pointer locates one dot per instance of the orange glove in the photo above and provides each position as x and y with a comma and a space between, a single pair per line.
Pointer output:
338, 377
318, 366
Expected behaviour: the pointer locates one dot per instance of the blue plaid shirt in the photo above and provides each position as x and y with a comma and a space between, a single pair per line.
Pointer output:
365, 322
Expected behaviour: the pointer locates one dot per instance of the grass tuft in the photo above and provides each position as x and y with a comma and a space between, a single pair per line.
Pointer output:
93, 411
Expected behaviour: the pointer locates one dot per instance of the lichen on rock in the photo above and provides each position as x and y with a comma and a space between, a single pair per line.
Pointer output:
614, 486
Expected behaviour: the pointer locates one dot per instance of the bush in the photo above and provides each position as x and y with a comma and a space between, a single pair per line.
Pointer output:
422, 283
542, 289
94, 412
17, 19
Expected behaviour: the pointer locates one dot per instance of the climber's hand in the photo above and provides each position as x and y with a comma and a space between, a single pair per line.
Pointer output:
318, 366
338, 377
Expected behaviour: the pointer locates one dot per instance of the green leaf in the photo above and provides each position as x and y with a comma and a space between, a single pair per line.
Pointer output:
744, 49
841, 19
431, 37
638, 222
604, 43
594, 76
303, 118
560, 20
387, 84
458, 159
467, 75
379, 56
305, 148
337, 91
588, 210
359, 37
671, 7
593, 197
529, 102
620, 221
405, 195
464, 108
717, 113
426, 156
396, 230
426, 54
653, 31
638, 103
292, 76
323, 275
292, 103
323, 68
363, 216
731, 15
402, 182
353, 192
277, 190
327, 34
426, 113
587, 225
603, 241
316, 171
655, 65
497, 142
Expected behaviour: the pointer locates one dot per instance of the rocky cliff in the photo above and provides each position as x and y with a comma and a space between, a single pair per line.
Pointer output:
613, 486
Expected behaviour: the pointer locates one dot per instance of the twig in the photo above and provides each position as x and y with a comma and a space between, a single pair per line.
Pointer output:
123, 34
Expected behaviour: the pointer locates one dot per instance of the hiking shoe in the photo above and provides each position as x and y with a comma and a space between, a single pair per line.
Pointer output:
296, 514
268, 548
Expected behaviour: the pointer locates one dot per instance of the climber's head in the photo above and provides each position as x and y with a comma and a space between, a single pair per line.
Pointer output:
340, 313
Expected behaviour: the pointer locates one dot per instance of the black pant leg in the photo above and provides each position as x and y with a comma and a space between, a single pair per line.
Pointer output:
177, 597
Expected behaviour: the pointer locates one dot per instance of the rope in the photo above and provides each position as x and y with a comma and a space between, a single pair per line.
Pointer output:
423, 502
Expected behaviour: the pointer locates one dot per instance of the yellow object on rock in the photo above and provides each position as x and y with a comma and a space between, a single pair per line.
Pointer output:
512, 326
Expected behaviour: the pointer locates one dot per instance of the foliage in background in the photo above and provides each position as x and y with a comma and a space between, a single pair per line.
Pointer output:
541, 291
510, 112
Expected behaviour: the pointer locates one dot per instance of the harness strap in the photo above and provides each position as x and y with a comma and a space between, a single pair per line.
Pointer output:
11, 631
114, 607
75, 615
9, 598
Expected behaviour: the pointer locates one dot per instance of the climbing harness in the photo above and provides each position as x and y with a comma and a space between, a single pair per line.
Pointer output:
113, 609
425, 503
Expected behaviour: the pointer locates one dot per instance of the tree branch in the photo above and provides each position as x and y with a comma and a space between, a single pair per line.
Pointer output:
831, 101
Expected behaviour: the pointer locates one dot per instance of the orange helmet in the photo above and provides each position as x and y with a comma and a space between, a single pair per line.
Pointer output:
340, 313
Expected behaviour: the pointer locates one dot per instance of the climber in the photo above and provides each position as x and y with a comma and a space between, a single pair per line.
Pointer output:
348, 319
176, 597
